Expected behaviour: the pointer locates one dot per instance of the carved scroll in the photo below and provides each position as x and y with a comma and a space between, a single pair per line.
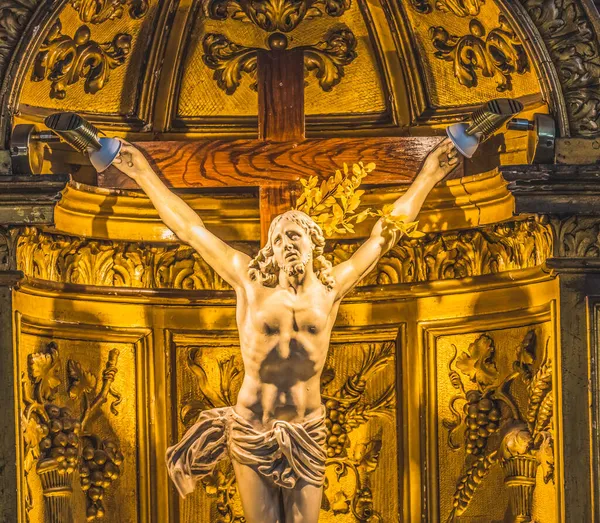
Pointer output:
498, 55
65, 61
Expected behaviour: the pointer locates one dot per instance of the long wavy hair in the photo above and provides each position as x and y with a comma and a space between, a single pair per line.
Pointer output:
265, 269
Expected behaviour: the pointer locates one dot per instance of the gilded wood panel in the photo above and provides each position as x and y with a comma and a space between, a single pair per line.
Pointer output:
82, 350
448, 39
58, 80
490, 412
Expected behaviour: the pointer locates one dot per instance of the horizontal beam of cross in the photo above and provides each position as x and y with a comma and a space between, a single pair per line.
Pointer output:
255, 163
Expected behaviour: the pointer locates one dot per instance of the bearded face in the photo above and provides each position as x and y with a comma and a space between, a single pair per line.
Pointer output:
292, 247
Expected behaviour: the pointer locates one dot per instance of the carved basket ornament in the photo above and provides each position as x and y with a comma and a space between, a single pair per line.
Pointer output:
495, 429
58, 442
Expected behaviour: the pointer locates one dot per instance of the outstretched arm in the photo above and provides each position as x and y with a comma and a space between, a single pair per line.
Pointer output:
229, 263
439, 162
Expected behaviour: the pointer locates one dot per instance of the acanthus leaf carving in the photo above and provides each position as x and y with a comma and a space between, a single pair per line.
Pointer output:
460, 8
328, 58
498, 55
65, 61
447, 255
98, 11
493, 249
576, 236
67, 259
229, 61
575, 53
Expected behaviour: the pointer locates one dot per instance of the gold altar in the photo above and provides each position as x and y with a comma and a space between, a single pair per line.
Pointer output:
453, 383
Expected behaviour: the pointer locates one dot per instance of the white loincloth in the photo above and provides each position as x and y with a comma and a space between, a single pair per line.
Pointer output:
285, 453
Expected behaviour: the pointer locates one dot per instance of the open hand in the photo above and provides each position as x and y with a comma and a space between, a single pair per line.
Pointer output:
131, 161
441, 160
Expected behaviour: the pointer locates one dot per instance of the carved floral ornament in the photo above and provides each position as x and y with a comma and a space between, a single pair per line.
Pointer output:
230, 60
98, 11
65, 60
498, 55
273, 15
487, 422
326, 59
437, 256
352, 453
58, 441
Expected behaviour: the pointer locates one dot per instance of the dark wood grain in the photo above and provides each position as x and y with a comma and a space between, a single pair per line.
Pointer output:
281, 95
243, 163
275, 199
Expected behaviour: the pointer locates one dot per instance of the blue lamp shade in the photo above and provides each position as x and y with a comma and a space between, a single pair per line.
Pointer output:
466, 144
103, 157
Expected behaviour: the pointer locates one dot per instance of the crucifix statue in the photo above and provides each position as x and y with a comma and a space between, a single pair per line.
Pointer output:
287, 302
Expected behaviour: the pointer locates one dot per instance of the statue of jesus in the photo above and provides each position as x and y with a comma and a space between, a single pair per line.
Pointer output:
287, 302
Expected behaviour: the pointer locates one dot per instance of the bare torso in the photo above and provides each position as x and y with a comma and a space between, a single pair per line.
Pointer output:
284, 338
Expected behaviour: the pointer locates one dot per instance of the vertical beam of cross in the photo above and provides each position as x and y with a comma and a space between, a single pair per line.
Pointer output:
280, 116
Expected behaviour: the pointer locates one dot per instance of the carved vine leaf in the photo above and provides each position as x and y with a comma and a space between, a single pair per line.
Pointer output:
498, 56
221, 396
460, 8
80, 381
44, 369
366, 454
340, 503
478, 362
328, 58
98, 11
545, 456
526, 355
65, 61
229, 61
275, 15
229, 370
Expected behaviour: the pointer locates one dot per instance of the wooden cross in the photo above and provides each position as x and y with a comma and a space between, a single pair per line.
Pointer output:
281, 156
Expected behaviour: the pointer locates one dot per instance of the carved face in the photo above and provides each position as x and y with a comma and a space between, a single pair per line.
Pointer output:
292, 247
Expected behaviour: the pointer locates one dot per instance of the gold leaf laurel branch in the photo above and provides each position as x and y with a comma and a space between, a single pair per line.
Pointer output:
333, 204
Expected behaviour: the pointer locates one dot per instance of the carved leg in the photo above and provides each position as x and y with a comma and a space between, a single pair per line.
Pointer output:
303, 503
260, 498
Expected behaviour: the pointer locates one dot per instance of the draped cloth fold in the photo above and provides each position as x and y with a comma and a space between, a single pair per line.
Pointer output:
285, 453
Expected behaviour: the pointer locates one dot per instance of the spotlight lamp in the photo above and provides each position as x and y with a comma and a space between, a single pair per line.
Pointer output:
83, 136
27, 141
485, 121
